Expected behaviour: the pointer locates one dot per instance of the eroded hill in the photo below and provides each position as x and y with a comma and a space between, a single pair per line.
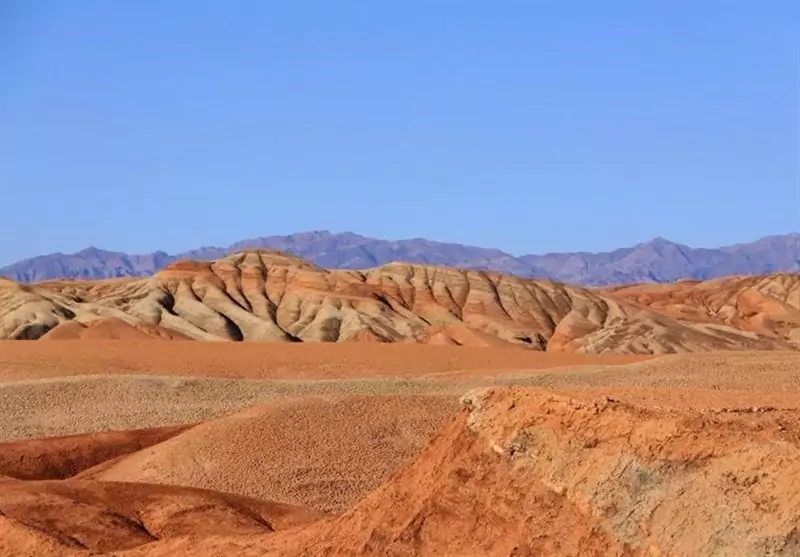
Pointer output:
757, 304
273, 296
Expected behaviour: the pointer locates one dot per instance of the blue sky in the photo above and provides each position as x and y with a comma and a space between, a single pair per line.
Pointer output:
528, 126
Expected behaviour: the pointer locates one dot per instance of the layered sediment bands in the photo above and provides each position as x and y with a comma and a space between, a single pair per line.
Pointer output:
756, 304
272, 296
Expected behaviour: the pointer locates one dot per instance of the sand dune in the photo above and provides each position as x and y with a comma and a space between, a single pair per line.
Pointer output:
264, 295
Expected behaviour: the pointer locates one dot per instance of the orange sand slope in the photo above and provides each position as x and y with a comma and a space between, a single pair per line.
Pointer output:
326, 452
263, 295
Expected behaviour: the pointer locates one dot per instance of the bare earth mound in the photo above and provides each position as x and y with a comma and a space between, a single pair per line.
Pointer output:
561, 476
323, 453
76, 518
55, 458
267, 295
525, 472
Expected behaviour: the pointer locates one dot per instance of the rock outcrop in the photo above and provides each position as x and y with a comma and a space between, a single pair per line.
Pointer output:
526, 472
531, 473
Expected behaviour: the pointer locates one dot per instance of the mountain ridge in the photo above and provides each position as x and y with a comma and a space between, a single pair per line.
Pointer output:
658, 260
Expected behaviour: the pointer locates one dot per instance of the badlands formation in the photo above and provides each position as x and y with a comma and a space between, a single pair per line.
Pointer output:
401, 411
273, 296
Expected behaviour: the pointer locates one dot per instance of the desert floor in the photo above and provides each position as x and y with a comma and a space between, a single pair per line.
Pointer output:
65, 387
313, 426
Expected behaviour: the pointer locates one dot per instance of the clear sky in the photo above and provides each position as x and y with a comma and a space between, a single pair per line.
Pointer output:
527, 126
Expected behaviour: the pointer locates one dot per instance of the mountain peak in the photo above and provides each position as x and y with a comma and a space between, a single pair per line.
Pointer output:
659, 241
266, 256
93, 251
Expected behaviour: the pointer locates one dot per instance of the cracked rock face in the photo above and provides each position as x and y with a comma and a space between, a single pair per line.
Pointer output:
526, 472
272, 296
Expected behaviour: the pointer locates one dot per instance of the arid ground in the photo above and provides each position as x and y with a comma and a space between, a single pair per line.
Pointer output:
120, 436
184, 448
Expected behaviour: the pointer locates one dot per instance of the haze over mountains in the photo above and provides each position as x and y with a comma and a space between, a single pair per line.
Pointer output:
658, 260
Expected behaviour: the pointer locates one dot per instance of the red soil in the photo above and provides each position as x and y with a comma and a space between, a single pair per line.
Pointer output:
62, 457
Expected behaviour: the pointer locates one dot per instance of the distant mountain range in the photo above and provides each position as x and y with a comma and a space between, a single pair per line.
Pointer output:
658, 260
